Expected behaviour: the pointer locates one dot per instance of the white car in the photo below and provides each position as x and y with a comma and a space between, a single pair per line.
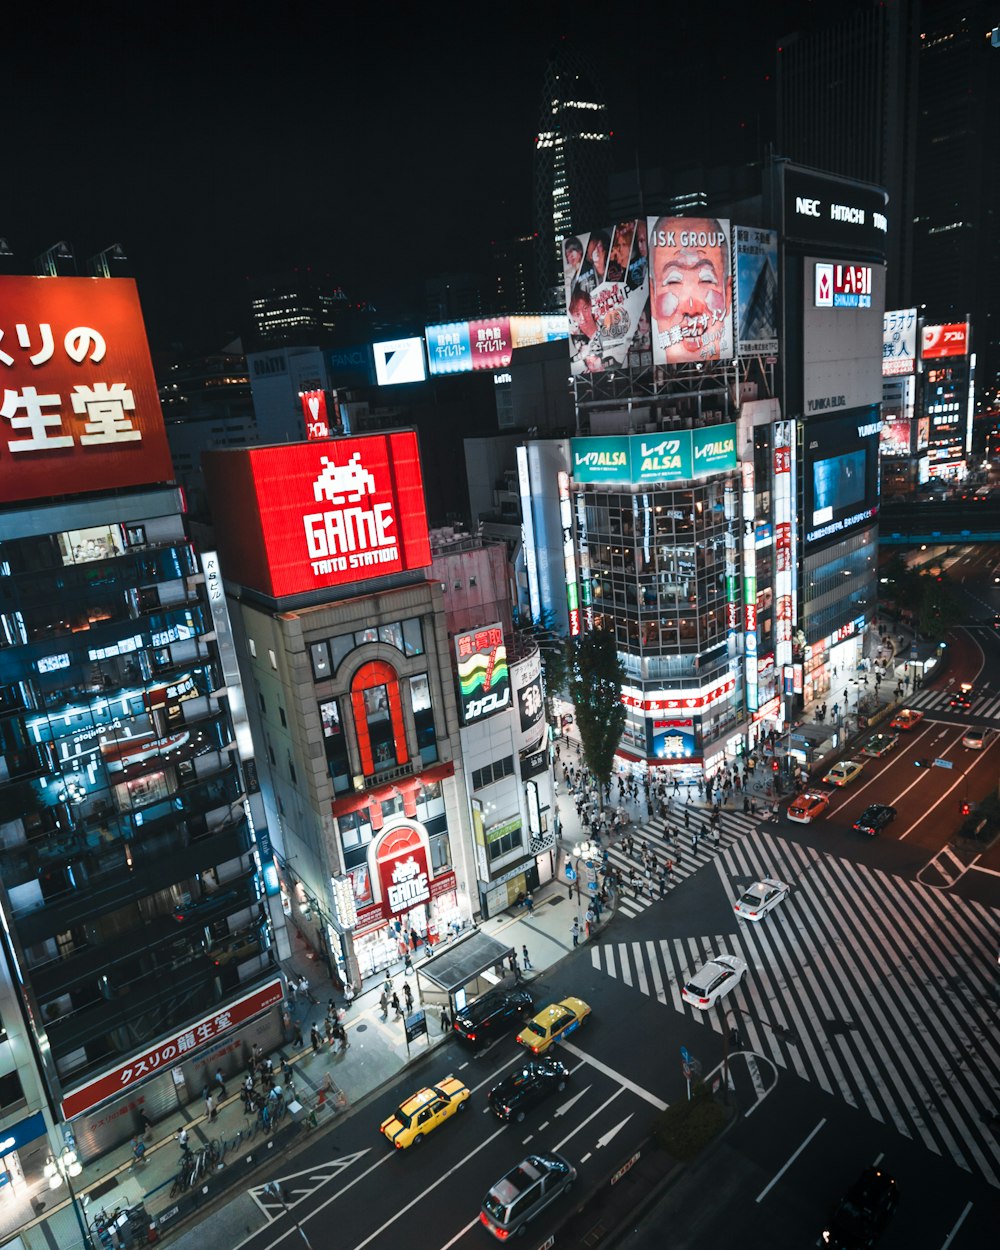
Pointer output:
758, 900
714, 980
975, 739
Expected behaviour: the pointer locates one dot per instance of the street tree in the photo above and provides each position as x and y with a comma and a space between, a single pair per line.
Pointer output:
939, 609
595, 685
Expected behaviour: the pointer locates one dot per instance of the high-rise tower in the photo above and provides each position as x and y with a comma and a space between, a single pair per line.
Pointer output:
572, 161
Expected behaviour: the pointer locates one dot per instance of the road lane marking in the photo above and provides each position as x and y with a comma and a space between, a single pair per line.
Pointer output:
460, 1234
778, 1175
658, 1103
961, 1220
583, 1124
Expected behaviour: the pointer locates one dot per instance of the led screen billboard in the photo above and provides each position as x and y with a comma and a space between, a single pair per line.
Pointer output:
756, 274
690, 289
947, 340
841, 474
78, 398
398, 361
899, 342
605, 279
300, 517
466, 346
483, 676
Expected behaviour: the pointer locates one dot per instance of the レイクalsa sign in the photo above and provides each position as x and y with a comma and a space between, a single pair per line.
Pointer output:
79, 409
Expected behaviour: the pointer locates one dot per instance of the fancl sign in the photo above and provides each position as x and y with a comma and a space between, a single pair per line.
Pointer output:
642, 459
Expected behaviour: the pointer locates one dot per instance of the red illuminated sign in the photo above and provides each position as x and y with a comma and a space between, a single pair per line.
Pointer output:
949, 340
402, 870
684, 703
306, 516
79, 409
172, 1051
314, 414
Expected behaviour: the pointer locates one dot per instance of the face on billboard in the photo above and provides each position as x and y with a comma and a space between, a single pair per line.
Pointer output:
605, 280
79, 409
690, 289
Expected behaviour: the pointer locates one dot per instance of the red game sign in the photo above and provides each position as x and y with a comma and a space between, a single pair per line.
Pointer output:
79, 409
305, 516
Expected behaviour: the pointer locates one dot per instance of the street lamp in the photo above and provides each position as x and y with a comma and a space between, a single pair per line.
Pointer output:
66, 1168
585, 850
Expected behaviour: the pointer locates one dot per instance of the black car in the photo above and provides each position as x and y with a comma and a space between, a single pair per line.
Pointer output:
874, 819
863, 1212
528, 1085
491, 1015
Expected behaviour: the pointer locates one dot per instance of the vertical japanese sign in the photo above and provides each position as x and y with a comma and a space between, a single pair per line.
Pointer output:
783, 540
79, 409
569, 556
749, 585
314, 414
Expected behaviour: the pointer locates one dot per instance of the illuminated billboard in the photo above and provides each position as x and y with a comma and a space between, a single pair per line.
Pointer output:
842, 286
899, 342
398, 361
948, 340
468, 346
300, 517
605, 279
638, 459
77, 394
756, 278
841, 474
314, 414
483, 676
690, 289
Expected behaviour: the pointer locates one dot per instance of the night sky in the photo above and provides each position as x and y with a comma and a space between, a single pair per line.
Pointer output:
377, 144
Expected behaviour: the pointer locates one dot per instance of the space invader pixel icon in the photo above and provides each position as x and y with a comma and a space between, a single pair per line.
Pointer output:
343, 483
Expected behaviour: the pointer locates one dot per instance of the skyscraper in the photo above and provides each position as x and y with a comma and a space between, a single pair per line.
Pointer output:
847, 105
572, 161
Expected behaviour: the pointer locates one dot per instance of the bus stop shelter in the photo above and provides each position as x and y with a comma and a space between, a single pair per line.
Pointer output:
463, 971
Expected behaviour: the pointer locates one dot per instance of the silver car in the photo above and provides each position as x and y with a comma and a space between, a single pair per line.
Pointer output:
524, 1192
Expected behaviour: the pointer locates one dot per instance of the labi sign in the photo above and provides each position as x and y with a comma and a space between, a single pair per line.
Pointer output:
638, 459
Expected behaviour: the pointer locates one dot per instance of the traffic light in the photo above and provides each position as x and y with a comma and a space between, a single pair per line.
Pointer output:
922, 763
774, 766
966, 808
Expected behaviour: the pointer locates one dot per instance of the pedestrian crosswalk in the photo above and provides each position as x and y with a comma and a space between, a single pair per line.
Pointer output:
887, 987
986, 706
684, 821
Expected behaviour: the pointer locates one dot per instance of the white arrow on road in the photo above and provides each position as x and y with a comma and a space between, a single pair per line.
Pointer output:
299, 1185
575, 1099
603, 1141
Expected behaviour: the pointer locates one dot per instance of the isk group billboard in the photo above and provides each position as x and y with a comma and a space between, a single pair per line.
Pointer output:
607, 295
306, 516
78, 400
639, 459
690, 289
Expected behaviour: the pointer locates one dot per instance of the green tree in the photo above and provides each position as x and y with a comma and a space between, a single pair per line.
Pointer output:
939, 609
595, 686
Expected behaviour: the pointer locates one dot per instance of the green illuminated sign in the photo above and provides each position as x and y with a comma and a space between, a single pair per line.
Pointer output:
644, 459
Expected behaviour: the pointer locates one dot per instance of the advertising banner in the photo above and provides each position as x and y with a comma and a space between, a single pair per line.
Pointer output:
948, 340
171, 1050
449, 348
639, 459
899, 342
483, 677
314, 414
690, 289
306, 516
673, 739
78, 400
824, 209
841, 474
526, 676
841, 336
756, 275
605, 278
490, 342
398, 361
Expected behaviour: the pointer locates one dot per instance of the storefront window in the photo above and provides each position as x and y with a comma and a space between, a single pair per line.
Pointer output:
423, 718
336, 745
380, 733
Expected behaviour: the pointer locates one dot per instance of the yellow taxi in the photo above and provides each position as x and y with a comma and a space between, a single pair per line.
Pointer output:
844, 772
422, 1113
552, 1024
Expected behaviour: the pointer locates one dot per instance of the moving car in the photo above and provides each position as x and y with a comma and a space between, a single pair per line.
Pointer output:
874, 818
961, 700
809, 805
758, 900
843, 772
860, 1217
714, 980
487, 1017
975, 739
524, 1088
907, 718
879, 744
425, 1111
552, 1024
524, 1192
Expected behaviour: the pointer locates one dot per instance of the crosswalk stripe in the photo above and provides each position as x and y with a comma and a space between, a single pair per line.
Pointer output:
905, 970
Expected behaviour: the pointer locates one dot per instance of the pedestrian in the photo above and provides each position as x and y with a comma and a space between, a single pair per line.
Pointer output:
340, 1033
687, 818
414, 939
529, 903
328, 1028
316, 1040
526, 959
670, 870
138, 1151
445, 1021
220, 1083
383, 1002
348, 995
407, 965
576, 930
145, 1124
663, 883
408, 995
396, 1005
182, 1141
297, 1035
291, 991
